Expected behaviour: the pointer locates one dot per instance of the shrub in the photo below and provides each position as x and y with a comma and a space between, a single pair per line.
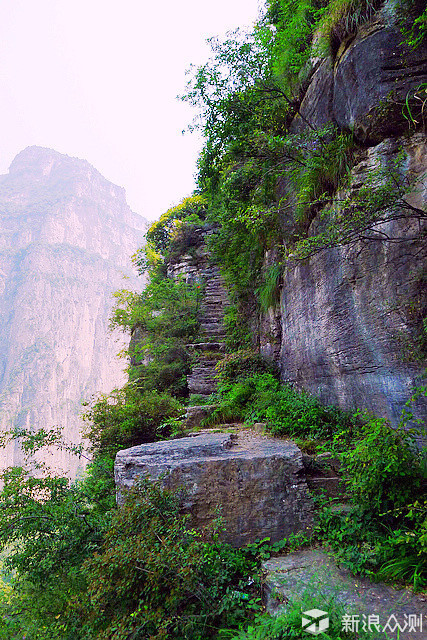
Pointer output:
384, 535
268, 293
402, 554
239, 336
154, 578
191, 209
241, 364
288, 625
126, 418
165, 316
384, 469
260, 397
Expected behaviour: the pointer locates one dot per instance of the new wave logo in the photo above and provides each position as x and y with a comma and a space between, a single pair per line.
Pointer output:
315, 621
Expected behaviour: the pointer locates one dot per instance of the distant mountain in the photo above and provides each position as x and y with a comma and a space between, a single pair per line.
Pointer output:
66, 238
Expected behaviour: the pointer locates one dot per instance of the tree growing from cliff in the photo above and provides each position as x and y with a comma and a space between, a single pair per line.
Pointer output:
266, 186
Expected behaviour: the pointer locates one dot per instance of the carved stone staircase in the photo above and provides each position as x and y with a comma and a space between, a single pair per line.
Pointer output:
210, 345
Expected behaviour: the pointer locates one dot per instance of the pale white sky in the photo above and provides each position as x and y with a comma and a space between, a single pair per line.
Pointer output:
98, 79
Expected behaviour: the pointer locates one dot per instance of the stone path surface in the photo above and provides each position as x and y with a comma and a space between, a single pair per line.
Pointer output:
402, 613
210, 346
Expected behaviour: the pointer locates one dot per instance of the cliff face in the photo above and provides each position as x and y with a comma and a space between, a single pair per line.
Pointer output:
351, 318
66, 237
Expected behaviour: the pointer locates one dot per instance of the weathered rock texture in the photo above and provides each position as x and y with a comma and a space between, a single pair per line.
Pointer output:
200, 267
66, 237
351, 316
257, 482
367, 84
312, 573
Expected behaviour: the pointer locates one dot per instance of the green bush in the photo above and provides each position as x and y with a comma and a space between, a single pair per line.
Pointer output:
191, 210
155, 578
268, 293
260, 397
384, 469
288, 625
241, 364
384, 534
402, 554
165, 316
239, 336
126, 418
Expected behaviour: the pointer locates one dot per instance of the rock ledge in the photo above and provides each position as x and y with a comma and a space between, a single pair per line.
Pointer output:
258, 483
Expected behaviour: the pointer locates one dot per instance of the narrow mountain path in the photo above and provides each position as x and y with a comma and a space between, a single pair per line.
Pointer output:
211, 343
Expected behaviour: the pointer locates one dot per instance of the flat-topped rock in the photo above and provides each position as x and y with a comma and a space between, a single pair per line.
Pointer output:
257, 482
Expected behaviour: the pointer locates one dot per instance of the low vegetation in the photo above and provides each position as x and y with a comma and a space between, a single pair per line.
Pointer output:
77, 568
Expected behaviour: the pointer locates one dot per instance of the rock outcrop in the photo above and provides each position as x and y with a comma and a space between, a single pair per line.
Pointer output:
352, 316
312, 574
367, 84
66, 237
257, 482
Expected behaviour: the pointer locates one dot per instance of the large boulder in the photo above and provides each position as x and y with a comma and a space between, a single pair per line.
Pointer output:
366, 87
373, 78
257, 482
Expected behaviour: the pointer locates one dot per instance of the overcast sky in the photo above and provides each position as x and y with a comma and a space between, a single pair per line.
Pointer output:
98, 79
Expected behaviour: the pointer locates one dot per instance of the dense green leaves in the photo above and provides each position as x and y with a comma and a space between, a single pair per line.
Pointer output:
164, 318
156, 578
127, 417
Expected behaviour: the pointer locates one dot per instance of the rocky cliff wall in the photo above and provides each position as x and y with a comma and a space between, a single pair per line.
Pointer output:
66, 237
351, 317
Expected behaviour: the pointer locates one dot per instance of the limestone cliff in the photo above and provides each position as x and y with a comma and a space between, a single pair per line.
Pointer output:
351, 318
66, 237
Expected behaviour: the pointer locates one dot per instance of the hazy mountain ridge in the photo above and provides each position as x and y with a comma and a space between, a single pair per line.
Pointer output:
66, 237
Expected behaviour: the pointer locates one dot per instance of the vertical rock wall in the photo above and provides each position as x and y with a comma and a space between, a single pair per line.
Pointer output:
352, 317
66, 237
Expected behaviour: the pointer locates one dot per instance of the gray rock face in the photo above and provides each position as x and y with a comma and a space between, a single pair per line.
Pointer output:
367, 88
350, 314
372, 79
312, 573
66, 237
258, 483
195, 415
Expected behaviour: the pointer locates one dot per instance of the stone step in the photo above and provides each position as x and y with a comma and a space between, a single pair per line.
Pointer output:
207, 321
212, 329
201, 370
312, 572
205, 377
211, 312
209, 360
214, 298
200, 387
209, 291
207, 346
